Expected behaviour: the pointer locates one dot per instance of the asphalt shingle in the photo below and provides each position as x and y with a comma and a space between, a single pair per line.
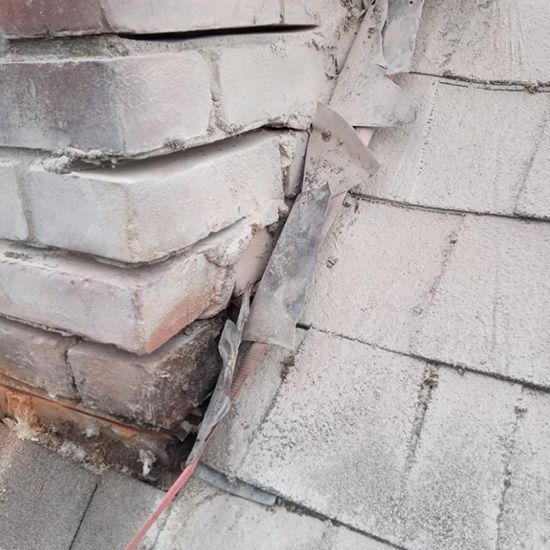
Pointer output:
43, 497
471, 148
461, 289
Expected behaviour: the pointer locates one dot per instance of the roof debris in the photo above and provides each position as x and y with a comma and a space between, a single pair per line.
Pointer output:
220, 402
364, 95
399, 34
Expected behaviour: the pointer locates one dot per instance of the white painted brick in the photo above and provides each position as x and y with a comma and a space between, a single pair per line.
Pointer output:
525, 521
36, 357
92, 102
13, 223
279, 83
135, 309
361, 434
467, 290
454, 486
494, 39
190, 15
145, 210
469, 149
170, 84
59, 18
157, 389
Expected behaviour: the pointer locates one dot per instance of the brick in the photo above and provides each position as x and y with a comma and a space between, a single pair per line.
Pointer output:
91, 103
243, 524
67, 427
157, 389
504, 41
264, 73
145, 210
36, 357
135, 309
251, 265
61, 18
13, 223
454, 485
42, 496
191, 15
115, 78
525, 519
462, 289
456, 127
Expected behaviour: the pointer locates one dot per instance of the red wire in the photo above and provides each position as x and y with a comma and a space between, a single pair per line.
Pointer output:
163, 504
250, 361
249, 364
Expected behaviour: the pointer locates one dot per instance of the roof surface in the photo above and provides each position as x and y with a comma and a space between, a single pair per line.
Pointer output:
416, 411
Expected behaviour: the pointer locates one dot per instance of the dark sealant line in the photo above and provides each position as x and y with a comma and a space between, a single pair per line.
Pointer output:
532, 87
435, 362
89, 503
280, 28
440, 210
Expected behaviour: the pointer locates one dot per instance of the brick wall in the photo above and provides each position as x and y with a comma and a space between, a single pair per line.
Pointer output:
147, 151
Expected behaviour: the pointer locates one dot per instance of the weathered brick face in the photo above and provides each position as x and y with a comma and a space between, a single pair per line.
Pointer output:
45, 18
36, 357
170, 83
159, 389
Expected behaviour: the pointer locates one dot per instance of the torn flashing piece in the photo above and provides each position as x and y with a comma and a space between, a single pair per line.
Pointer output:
336, 160
220, 402
281, 293
376, 14
399, 34
235, 487
364, 95
336, 156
